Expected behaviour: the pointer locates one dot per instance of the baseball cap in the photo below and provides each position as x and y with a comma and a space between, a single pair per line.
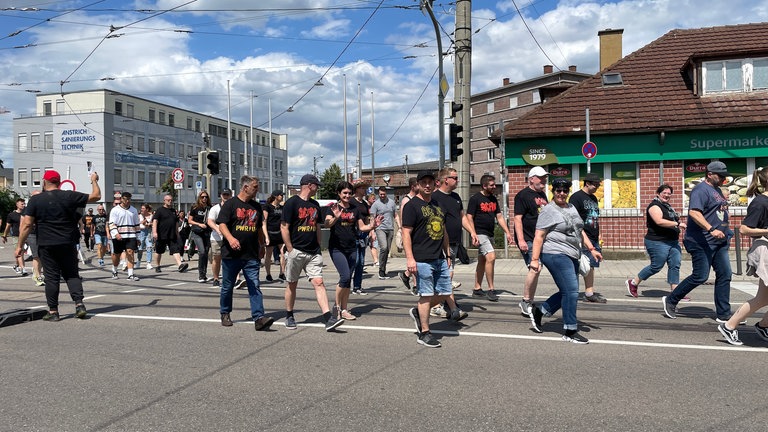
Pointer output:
226, 192
308, 179
423, 174
52, 176
561, 183
277, 193
537, 171
592, 178
716, 167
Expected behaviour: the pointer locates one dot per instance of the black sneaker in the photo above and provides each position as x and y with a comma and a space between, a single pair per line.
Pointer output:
332, 323
51, 316
574, 337
405, 280
731, 336
669, 308
241, 284
133, 277
269, 278
263, 323
458, 315
157, 269
478, 293
428, 340
536, 316
383, 276
595, 298
80, 311
114, 275
282, 277
725, 320
183, 267
226, 321
761, 331
414, 313
216, 283
491, 295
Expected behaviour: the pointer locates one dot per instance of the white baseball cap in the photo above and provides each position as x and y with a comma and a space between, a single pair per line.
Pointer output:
538, 172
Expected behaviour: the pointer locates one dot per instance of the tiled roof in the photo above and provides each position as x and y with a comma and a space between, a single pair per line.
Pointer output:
657, 93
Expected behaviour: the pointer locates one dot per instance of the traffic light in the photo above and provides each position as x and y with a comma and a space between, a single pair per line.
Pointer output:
455, 107
202, 159
213, 162
455, 139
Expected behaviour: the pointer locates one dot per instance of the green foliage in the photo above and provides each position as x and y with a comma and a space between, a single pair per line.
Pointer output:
167, 188
7, 204
330, 179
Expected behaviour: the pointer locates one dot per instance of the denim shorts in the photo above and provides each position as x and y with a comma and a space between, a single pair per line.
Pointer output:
433, 278
592, 262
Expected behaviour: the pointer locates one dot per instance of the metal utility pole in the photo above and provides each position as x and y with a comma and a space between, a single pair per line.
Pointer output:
427, 5
462, 88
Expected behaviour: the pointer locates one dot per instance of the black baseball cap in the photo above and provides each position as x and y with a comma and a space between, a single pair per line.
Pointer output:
309, 179
424, 174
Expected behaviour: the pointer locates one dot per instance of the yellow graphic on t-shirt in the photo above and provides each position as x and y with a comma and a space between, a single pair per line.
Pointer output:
435, 221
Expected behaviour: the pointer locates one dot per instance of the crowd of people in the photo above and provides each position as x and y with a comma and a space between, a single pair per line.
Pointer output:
237, 233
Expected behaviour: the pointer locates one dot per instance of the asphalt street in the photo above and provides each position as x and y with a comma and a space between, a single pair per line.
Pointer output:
152, 356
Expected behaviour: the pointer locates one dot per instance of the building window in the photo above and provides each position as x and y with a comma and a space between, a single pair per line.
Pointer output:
490, 107
48, 141
35, 141
162, 117
47, 108
760, 74
151, 148
129, 177
162, 178
140, 144
140, 178
471, 178
172, 149
129, 143
513, 102
118, 178
22, 143
61, 106
491, 154
129, 111
191, 155
151, 115
197, 125
491, 129
743, 75
189, 123
161, 147
152, 179
118, 108
23, 179
263, 140
536, 96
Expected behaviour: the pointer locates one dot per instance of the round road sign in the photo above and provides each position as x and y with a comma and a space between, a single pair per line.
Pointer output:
177, 175
589, 149
67, 185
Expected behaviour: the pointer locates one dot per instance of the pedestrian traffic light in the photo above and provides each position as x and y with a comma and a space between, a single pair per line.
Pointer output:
455, 107
455, 139
202, 160
213, 162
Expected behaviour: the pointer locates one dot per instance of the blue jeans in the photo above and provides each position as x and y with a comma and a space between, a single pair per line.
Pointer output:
344, 262
230, 269
661, 252
357, 274
565, 272
702, 258
145, 243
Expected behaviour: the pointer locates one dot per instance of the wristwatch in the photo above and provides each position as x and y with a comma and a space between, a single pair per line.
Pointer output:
712, 228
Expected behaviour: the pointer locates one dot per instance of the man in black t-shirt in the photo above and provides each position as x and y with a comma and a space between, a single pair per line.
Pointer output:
12, 224
240, 223
99, 232
165, 231
586, 204
300, 228
482, 215
55, 213
528, 204
426, 246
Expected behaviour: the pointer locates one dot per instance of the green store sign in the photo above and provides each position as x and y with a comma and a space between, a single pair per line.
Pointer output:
674, 145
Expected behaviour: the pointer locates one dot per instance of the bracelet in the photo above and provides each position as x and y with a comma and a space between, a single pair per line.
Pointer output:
712, 228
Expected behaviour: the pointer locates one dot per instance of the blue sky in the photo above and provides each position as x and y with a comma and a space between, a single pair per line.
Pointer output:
183, 53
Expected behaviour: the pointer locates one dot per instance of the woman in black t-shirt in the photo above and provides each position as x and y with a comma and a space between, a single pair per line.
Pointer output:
345, 223
662, 241
273, 211
201, 233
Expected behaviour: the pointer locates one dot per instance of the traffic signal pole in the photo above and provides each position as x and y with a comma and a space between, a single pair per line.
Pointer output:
462, 91
427, 4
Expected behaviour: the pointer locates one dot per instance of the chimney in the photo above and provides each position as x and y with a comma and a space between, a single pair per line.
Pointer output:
505, 81
572, 68
547, 69
610, 46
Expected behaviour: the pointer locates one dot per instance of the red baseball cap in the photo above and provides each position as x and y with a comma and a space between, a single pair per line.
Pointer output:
52, 176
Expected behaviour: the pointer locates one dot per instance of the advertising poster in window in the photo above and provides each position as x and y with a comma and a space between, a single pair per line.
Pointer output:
624, 185
596, 168
734, 188
558, 172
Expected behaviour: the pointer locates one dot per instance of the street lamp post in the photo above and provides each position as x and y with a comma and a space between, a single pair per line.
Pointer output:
314, 164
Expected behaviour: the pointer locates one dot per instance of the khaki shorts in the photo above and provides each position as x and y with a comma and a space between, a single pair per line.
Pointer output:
296, 261
486, 245
216, 247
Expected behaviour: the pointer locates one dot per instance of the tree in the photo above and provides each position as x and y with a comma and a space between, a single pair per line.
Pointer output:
330, 179
167, 188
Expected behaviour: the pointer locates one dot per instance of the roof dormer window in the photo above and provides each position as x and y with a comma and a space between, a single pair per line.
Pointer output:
734, 76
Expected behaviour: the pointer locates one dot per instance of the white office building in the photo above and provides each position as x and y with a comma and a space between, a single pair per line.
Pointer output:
135, 144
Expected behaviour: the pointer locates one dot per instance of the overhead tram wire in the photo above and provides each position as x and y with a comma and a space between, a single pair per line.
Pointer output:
534, 37
47, 20
549, 33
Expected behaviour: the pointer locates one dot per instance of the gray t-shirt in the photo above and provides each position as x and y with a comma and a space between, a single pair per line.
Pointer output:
388, 210
562, 237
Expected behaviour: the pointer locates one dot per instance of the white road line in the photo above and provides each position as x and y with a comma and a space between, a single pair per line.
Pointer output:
461, 333
135, 290
177, 284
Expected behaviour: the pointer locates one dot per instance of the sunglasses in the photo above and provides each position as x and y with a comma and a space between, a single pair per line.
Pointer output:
561, 190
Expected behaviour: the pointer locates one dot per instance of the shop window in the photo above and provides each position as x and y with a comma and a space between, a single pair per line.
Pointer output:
623, 185
599, 169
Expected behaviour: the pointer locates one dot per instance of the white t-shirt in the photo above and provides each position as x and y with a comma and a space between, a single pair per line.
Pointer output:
213, 213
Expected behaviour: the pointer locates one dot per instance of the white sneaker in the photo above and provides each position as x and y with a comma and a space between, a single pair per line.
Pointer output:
455, 284
438, 311
123, 265
149, 266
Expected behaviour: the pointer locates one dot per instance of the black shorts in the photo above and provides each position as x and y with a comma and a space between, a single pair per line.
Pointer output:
118, 246
275, 238
172, 245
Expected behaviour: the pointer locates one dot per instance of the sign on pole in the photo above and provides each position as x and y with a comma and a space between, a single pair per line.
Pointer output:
177, 175
589, 149
178, 186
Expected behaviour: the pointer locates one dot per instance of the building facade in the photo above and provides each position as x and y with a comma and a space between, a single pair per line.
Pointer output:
135, 144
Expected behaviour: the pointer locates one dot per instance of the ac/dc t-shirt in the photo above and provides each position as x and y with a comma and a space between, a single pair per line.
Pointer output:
452, 206
427, 220
303, 217
243, 219
484, 210
344, 231
529, 203
274, 214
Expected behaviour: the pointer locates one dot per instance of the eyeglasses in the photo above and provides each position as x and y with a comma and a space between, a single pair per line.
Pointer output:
453, 177
561, 190
204, 197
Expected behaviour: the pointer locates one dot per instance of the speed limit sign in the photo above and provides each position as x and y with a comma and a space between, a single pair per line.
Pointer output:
177, 175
